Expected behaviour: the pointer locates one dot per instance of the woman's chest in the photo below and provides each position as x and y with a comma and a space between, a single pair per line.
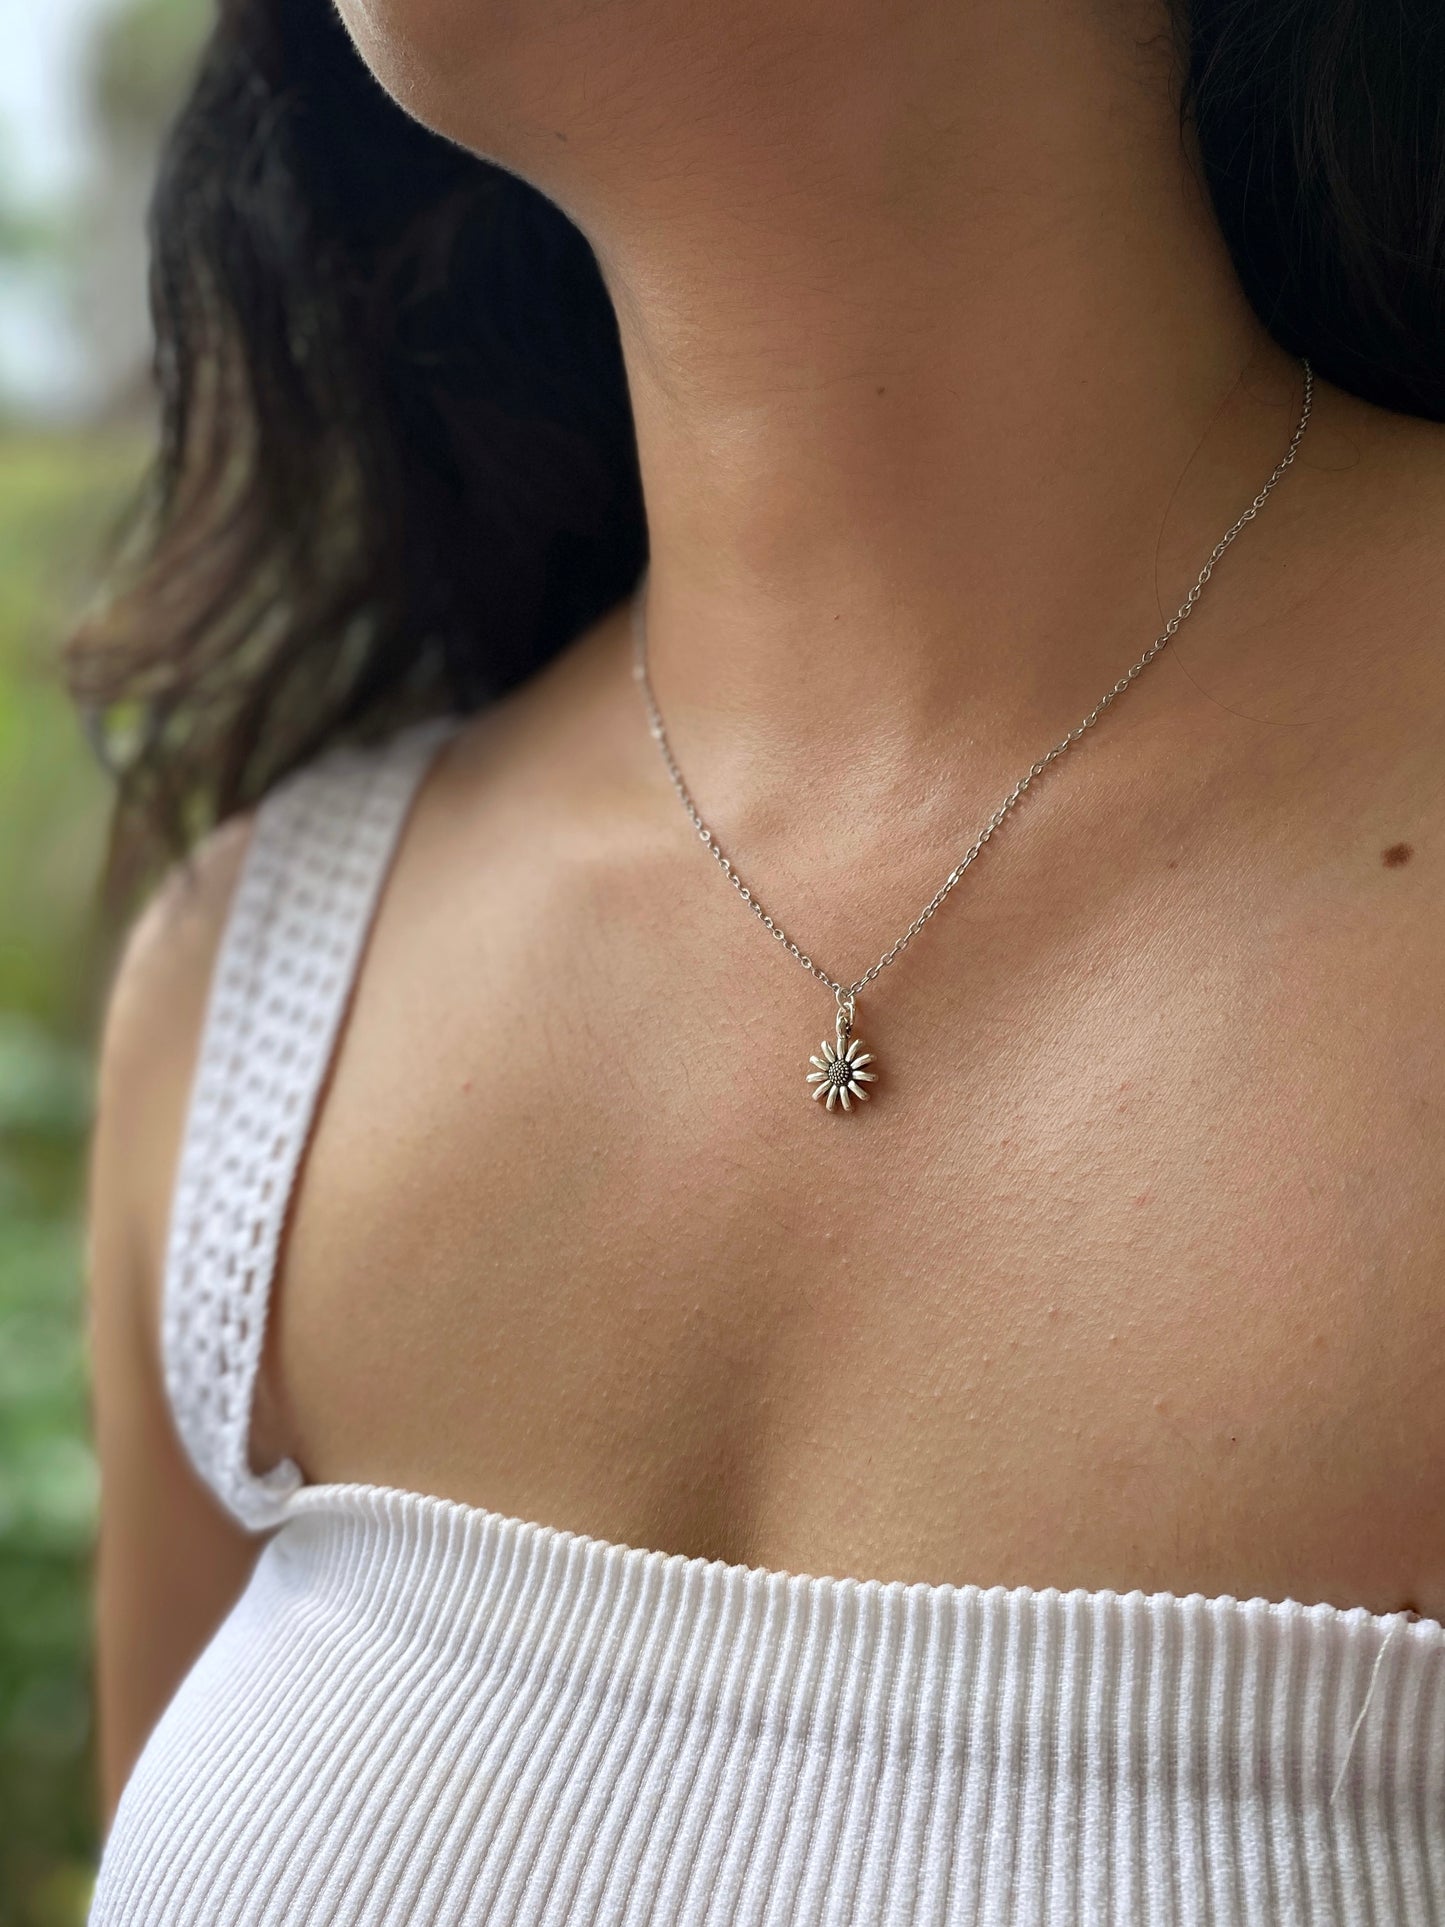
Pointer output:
1127, 1274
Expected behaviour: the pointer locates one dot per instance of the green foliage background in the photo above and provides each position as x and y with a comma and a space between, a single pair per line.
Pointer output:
58, 497
62, 493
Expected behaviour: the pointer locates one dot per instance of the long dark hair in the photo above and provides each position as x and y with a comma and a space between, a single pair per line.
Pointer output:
397, 465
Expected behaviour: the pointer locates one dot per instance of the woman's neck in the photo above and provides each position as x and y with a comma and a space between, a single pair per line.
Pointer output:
944, 382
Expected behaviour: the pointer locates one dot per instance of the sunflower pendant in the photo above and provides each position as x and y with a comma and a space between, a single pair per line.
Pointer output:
838, 1075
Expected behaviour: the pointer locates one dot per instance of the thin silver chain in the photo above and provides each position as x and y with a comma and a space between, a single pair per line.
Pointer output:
846, 993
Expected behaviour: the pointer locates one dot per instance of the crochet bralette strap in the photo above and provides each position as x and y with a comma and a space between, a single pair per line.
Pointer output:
319, 851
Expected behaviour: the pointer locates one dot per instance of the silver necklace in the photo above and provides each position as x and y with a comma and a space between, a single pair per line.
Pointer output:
840, 1074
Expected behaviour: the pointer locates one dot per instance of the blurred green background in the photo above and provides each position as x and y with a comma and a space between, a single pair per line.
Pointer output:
87, 89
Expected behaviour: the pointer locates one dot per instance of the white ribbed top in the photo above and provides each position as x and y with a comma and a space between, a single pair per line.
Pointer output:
424, 1712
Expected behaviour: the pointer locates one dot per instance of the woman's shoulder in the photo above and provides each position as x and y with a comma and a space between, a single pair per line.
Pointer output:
159, 989
161, 986
154, 1017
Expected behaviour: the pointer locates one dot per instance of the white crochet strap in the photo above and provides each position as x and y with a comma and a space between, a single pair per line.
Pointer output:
319, 849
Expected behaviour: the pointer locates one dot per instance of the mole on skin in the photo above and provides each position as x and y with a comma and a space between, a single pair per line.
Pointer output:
1397, 854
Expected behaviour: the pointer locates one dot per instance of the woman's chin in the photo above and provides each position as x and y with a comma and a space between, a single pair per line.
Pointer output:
490, 76
443, 61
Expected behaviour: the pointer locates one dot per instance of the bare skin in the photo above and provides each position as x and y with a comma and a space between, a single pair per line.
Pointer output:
1131, 1273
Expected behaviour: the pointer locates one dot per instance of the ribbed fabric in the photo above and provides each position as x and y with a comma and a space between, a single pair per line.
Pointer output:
423, 1712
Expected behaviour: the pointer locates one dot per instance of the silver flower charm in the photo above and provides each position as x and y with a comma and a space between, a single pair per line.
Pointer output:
840, 1074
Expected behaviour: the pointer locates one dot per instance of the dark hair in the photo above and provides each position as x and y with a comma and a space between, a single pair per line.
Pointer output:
397, 465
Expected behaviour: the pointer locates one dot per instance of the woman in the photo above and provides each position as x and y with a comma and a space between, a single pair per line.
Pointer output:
491, 1325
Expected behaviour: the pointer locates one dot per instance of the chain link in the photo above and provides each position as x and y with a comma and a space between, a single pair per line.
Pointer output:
846, 993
